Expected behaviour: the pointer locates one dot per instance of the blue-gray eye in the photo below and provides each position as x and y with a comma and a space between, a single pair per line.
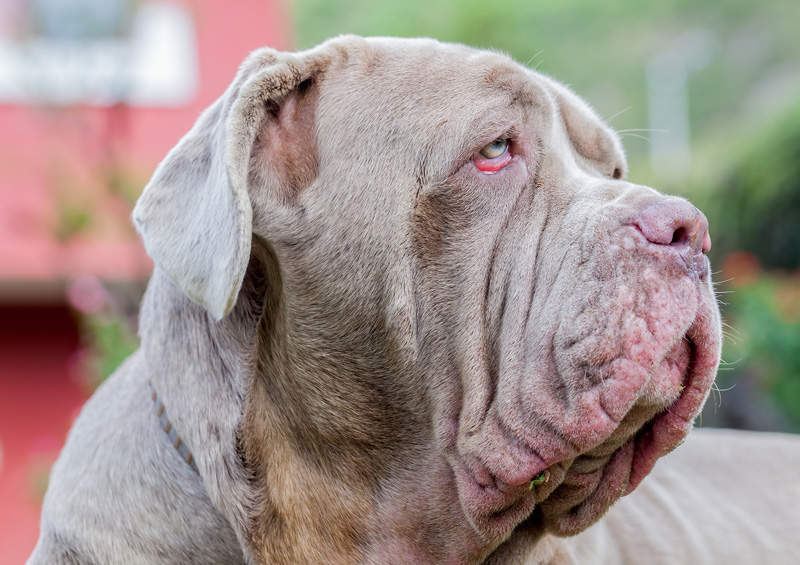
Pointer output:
495, 149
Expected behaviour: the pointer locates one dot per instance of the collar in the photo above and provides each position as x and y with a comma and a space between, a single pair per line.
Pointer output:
169, 429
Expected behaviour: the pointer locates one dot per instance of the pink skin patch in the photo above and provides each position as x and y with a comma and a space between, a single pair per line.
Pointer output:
639, 377
670, 427
491, 166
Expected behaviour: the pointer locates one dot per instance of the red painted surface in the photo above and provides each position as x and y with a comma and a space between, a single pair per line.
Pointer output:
49, 156
38, 400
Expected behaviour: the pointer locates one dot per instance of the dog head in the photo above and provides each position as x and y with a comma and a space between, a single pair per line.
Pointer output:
471, 318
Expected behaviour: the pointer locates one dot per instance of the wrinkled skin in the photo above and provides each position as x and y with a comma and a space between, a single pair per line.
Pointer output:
415, 341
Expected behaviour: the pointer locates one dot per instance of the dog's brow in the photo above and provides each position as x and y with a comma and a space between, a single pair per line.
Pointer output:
421, 170
488, 124
515, 83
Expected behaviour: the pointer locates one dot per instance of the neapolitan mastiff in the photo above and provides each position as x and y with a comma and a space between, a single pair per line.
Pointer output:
405, 309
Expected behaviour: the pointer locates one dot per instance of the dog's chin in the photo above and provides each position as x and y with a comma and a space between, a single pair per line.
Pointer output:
573, 491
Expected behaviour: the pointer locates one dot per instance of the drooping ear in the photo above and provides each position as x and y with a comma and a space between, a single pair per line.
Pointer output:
591, 138
195, 214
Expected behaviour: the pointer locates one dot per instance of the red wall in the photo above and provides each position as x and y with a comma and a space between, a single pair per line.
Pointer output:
43, 148
39, 394
38, 399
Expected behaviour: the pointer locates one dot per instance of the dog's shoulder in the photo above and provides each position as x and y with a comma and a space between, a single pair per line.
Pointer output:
120, 491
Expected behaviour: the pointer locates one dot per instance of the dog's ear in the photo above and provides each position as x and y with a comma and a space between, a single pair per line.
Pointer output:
195, 214
591, 138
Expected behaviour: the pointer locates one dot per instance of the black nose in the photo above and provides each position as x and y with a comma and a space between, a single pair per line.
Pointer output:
676, 223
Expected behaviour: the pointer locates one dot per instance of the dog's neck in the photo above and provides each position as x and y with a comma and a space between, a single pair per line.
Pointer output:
311, 456
200, 369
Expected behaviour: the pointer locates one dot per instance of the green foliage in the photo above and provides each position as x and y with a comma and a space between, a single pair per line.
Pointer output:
765, 317
599, 48
753, 206
71, 220
124, 183
110, 340
756, 205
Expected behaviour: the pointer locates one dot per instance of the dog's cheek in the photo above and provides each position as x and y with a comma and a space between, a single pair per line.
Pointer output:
478, 193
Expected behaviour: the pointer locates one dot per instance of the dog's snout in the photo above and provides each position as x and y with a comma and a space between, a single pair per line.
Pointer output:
675, 223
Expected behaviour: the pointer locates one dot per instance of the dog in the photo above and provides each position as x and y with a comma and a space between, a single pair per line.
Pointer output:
405, 309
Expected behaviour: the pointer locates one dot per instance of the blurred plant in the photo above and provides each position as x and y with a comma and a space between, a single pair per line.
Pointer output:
755, 206
763, 313
87, 295
71, 219
601, 49
124, 183
107, 328
108, 336
111, 341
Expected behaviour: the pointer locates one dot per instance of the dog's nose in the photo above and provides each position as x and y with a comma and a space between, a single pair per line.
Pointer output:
674, 222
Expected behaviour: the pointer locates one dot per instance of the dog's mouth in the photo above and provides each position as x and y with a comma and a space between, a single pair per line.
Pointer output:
570, 487
594, 480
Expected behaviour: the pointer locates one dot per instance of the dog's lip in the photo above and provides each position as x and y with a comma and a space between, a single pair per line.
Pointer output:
493, 497
668, 429
495, 501
491, 507
629, 465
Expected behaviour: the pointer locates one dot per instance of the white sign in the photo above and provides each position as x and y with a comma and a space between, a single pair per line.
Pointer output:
155, 64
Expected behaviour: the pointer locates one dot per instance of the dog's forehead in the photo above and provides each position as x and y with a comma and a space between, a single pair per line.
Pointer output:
420, 95
448, 69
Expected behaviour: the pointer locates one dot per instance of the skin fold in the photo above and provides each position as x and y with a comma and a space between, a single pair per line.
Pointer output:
374, 341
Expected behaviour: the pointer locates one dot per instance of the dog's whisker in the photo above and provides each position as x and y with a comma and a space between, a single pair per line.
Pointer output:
636, 135
721, 390
645, 130
369, 319
738, 361
534, 57
618, 114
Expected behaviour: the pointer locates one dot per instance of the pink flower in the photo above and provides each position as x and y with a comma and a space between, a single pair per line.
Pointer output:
87, 295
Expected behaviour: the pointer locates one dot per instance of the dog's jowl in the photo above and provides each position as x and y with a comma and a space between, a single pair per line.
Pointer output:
406, 308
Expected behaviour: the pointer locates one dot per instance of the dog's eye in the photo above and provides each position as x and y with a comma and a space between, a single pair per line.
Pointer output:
495, 149
493, 157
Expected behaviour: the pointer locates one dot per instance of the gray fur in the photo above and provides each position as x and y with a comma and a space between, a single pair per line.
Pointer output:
344, 314
153, 508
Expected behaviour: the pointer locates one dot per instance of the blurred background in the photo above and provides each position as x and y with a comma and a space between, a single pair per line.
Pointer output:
93, 93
